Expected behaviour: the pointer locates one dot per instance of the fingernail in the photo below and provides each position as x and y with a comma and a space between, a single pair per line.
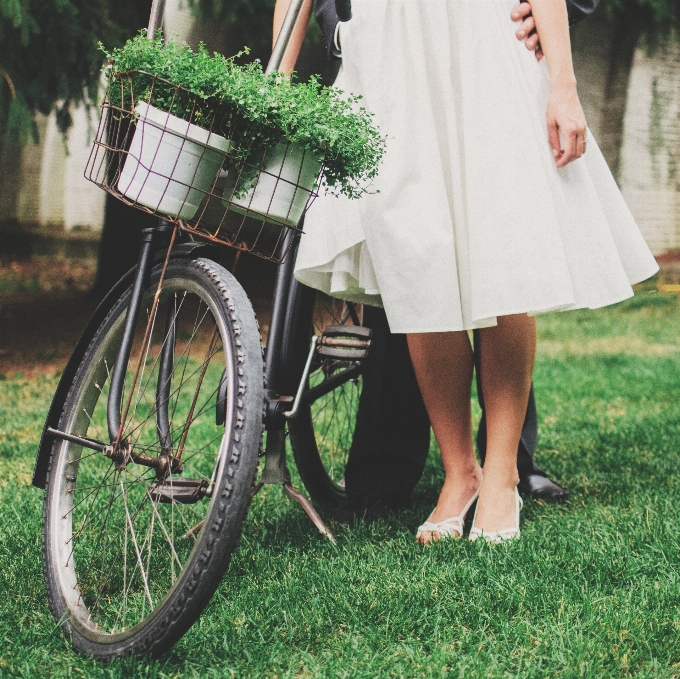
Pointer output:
555, 153
520, 34
515, 15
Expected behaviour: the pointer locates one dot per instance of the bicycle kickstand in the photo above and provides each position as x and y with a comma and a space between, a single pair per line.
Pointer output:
276, 473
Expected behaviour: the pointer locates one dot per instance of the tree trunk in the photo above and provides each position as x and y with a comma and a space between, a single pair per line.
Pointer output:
625, 39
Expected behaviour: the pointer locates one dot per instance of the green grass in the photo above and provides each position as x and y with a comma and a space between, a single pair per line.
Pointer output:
591, 590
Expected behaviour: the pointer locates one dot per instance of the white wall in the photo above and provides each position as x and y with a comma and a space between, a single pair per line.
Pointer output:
650, 157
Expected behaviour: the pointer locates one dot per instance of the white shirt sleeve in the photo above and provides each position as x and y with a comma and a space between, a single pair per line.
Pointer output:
336, 41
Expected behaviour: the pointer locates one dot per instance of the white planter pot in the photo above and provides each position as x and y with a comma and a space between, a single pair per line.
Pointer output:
282, 189
170, 163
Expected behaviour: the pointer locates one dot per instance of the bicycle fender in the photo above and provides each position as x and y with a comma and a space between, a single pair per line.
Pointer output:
42, 460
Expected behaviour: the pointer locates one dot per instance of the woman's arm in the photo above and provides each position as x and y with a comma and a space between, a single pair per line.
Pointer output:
565, 113
291, 55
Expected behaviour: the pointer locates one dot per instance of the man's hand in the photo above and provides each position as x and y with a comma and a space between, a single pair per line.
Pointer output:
527, 28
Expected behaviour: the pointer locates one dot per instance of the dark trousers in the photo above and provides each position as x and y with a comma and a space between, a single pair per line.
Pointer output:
392, 435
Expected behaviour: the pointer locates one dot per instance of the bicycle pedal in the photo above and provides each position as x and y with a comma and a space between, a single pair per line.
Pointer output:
349, 342
181, 491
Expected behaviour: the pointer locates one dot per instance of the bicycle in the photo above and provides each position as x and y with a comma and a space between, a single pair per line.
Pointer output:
149, 464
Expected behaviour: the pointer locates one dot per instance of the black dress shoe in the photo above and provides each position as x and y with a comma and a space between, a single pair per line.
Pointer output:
540, 486
367, 508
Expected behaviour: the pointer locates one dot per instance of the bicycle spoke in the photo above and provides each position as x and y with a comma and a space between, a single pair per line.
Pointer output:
136, 546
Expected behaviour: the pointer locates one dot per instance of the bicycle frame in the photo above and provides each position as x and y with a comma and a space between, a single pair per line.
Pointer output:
277, 407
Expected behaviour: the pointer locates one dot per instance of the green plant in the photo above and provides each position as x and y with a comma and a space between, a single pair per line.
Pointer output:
217, 92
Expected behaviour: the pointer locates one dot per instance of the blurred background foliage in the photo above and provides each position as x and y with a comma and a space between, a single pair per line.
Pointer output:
252, 18
653, 20
49, 56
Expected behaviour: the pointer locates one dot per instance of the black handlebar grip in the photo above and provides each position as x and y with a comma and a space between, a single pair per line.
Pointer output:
344, 9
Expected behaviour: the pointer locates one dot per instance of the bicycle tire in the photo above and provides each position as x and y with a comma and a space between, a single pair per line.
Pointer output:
321, 435
182, 571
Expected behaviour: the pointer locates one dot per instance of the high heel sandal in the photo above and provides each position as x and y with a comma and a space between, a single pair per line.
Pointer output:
501, 535
451, 527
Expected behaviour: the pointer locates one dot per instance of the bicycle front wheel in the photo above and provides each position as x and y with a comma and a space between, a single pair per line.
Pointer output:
136, 540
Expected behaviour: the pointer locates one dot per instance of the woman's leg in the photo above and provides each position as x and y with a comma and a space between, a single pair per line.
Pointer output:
443, 364
506, 362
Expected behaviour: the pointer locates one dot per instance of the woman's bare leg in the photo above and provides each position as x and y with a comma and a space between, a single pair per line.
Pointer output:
443, 364
507, 361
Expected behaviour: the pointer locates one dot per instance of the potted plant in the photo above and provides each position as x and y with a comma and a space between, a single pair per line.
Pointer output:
278, 132
279, 189
175, 152
171, 163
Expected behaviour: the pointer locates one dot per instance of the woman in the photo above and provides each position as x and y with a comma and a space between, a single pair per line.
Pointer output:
485, 213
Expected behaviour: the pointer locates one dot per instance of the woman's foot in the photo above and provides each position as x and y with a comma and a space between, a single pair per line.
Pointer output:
455, 500
497, 514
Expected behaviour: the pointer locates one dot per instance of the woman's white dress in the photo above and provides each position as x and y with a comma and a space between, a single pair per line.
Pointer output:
469, 218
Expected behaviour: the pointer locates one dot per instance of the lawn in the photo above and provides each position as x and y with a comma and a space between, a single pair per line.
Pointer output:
591, 590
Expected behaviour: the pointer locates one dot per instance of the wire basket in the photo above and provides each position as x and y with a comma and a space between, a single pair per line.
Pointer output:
171, 153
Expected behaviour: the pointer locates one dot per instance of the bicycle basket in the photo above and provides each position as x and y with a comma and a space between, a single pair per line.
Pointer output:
169, 152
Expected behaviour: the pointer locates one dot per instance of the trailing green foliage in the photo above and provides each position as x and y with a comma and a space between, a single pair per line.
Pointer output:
268, 107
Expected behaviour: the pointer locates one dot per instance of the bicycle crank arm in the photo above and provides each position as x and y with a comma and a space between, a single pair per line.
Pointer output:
293, 412
325, 345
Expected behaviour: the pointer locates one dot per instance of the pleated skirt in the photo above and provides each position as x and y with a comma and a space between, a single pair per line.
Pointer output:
469, 218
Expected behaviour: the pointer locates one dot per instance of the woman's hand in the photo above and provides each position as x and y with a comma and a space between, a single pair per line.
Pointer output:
566, 120
566, 124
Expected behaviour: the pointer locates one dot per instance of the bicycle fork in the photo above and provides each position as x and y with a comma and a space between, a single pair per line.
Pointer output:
118, 449
117, 409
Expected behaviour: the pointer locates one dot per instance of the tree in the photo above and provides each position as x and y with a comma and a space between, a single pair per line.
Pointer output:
49, 56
